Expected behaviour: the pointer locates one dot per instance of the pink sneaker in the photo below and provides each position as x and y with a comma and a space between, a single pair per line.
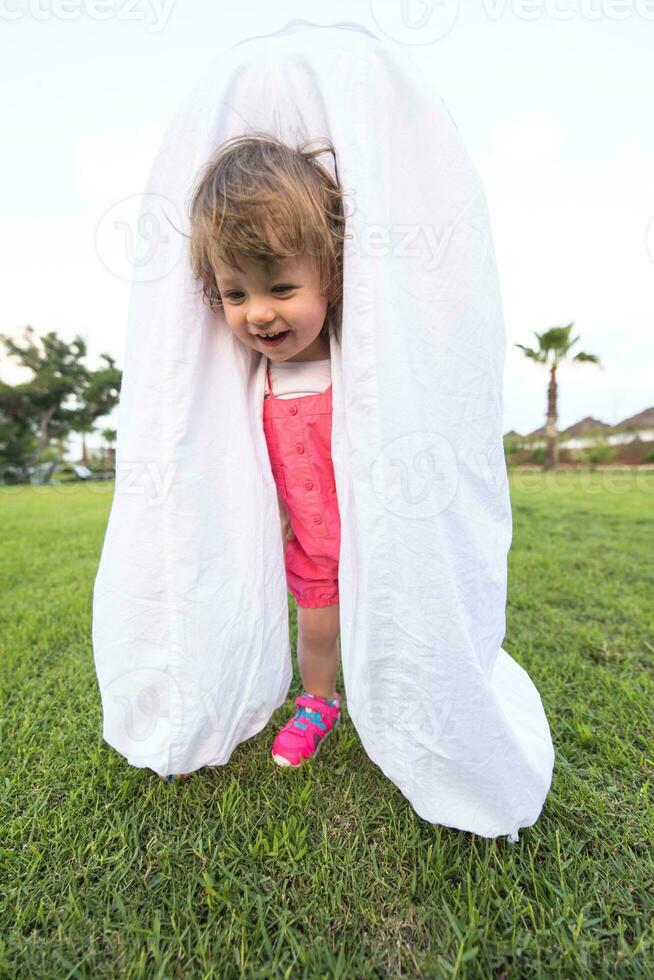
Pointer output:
304, 733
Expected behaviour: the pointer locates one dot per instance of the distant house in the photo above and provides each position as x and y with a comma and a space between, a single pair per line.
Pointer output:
583, 433
640, 426
535, 435
586, 425
644, 421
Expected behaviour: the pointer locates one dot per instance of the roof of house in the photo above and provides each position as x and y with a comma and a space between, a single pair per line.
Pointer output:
643, 420
537, 433
585, 425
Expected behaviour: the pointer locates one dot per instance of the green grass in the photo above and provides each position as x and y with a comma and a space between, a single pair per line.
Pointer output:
242, 871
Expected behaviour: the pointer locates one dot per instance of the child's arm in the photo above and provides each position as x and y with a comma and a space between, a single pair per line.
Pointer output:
287, 531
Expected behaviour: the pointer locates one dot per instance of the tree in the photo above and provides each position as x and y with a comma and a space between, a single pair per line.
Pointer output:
555, 342
17, 439
109, 436
34, 413
99, 396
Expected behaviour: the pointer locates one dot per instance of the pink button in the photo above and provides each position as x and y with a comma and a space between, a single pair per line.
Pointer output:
308, 485
299, 447
317, 519
293, 409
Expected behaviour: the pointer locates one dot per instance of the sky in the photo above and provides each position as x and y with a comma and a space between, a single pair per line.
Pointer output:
552, 100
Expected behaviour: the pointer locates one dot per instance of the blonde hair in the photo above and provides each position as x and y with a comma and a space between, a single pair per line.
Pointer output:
258, 198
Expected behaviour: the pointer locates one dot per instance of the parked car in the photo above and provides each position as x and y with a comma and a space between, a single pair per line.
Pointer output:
44, 473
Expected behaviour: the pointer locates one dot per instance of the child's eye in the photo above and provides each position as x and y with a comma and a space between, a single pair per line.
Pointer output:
235, 295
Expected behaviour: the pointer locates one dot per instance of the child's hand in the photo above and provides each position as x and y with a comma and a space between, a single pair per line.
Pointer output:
287, 530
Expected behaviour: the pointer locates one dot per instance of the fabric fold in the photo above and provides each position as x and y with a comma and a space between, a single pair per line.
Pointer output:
190, 615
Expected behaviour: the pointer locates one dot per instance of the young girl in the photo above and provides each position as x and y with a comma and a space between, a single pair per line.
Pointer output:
267, 231
373, 420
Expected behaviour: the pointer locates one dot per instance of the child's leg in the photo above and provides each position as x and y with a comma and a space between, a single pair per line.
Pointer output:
318, 648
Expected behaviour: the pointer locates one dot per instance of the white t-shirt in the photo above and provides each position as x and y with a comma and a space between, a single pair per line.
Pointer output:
293, 379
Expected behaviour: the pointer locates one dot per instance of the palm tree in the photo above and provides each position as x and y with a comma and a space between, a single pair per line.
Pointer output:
109, 436
555, 341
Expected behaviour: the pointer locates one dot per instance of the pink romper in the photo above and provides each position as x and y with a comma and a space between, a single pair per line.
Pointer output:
298, 435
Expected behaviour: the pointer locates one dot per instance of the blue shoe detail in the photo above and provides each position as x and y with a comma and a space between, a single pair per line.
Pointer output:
313, 716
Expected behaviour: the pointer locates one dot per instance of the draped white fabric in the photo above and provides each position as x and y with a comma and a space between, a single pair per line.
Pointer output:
190, 615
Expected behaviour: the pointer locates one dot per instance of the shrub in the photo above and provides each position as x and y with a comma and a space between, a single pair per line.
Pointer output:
599, 452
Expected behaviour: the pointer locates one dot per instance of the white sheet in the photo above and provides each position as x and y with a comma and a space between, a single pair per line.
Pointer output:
190, 616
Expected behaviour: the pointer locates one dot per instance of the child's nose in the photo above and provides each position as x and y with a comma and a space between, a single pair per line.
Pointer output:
260, 312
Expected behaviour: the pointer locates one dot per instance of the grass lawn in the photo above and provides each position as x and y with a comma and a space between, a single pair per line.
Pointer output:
243, 871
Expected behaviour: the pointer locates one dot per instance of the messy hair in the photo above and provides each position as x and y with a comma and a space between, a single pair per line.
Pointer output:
257, 197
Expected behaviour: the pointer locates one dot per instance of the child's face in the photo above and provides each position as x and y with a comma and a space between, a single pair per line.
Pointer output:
290, 300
